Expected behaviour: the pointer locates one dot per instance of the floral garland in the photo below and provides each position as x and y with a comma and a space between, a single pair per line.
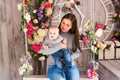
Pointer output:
34, 23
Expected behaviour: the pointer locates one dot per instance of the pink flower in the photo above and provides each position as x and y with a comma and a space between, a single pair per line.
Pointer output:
85, 39
36, 47
47, 5
113, 39
89, 73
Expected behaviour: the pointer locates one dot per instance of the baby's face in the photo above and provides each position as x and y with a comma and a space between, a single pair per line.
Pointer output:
53, 33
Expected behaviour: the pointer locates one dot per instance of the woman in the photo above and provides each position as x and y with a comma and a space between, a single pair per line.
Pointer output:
69, 30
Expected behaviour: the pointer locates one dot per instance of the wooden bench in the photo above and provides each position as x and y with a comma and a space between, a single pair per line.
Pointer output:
109, 70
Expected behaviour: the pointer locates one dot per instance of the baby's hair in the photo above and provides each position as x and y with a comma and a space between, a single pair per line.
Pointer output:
53, 27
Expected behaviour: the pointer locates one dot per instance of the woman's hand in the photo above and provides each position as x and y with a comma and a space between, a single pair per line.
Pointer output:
64, 45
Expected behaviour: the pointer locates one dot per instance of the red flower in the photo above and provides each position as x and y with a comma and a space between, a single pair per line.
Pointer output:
99, 26
36, 47
113, 39
26, 2
47, 5
30, 28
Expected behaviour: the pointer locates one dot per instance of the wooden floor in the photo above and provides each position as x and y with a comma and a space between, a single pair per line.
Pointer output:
109, 70
83, 75
42, 77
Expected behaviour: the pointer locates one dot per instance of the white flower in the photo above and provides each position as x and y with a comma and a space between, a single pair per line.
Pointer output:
41, 58
28, 54
25, 30
25, 65
93, 49
50, 1
35, 21
20, 7
27, 17
99, 32
39, 36
41, 32
21, 70
34, 11
68, 4
22, 59
30, 67
72, 1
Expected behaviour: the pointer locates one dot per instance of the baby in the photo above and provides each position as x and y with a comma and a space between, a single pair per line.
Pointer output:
53, 39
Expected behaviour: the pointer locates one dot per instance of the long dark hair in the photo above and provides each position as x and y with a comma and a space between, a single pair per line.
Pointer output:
73, 30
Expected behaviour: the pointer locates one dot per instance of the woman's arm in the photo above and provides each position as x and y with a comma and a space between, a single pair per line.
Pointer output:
76, 54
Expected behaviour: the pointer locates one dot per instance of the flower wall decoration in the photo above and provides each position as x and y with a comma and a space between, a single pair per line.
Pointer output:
35, 20
69, 5
90, 37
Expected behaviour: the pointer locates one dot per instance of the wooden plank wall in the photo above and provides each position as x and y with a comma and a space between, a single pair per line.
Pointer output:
11, 40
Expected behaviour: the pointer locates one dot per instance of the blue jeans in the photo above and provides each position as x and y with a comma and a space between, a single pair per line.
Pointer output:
65, 54
56, 73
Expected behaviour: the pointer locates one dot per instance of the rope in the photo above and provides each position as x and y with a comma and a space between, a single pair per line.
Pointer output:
26, 46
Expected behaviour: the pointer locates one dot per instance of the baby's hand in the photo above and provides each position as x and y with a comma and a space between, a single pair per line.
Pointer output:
45, 47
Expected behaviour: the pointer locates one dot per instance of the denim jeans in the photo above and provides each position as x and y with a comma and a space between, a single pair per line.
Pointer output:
56, 73
65, 54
